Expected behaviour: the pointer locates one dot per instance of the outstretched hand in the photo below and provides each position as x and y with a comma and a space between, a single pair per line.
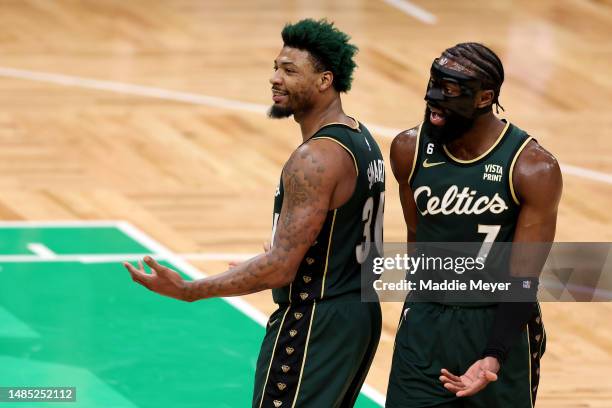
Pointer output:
476, 378
162, 280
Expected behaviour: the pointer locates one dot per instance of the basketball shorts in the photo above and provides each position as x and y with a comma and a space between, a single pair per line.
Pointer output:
433, 336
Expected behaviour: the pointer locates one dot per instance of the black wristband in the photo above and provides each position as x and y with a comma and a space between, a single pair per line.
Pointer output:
509, 322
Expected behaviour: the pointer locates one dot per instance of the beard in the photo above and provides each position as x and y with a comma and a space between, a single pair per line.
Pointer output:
279, 112
454, 127
297, 102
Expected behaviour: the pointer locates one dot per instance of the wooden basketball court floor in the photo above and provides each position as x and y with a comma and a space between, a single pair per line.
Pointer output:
154, 112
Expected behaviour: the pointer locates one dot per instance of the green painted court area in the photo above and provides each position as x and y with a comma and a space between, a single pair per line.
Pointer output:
71, 316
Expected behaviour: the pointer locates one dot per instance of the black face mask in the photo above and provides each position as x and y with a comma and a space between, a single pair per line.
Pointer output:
459, 110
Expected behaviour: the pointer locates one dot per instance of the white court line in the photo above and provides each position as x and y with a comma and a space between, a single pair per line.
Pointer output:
160, 252
42, 256
57, 224
41, 250
131, 89
238, 303
165, 94
413, 10
586, 173
187, 268
218, 256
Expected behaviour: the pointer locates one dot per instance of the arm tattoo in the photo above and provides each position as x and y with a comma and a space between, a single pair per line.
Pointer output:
305, 206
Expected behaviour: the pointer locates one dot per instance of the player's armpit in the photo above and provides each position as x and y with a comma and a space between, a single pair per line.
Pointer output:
309, 180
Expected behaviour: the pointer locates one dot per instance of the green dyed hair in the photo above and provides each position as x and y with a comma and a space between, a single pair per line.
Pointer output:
328, 47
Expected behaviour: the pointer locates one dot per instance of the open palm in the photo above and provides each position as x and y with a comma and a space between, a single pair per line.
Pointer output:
162, 280
477, 377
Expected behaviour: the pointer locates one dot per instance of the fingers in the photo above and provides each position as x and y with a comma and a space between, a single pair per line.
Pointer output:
450, 375
490, 376
133, 271
138, 275
469, 391
446, 380
454, 388
476, 386
155, 267
451, 382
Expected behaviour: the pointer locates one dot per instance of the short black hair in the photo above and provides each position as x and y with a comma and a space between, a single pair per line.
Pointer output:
483, 61
329, 48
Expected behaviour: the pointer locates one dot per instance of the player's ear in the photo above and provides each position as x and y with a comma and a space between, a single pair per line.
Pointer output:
485, 98
326, 80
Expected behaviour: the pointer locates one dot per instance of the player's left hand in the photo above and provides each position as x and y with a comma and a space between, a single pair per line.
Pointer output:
162, 280
476, 378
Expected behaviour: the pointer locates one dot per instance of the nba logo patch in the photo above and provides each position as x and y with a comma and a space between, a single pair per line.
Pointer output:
526, 284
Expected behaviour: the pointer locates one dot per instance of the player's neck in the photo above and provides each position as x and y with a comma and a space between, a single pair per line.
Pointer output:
478, 139
320, 115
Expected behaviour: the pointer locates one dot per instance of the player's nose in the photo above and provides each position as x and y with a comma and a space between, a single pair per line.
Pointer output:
275, 79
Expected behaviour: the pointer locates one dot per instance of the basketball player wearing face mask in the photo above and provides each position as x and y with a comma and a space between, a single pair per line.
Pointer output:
467, 176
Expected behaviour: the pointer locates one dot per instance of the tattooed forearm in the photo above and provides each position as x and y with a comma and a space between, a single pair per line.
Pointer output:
305, 206
252, 276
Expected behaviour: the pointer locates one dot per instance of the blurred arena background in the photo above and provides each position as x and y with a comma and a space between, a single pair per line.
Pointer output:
153, 112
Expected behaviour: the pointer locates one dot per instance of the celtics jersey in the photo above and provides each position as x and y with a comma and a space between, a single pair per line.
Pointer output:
466, 200
332, 265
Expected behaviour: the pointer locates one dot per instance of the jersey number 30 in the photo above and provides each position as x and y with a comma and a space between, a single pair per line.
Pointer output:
363, 250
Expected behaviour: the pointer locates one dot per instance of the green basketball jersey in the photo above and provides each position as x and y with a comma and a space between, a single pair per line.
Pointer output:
332, 265
466, 200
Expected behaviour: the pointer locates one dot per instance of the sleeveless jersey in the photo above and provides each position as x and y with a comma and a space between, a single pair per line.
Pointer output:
466, 200
332, 265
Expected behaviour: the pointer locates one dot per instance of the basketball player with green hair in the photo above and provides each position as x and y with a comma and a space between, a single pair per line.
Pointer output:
466, 176
320, 343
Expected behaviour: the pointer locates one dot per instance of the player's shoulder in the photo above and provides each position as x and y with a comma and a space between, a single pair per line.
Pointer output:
538, 161
403, 152
318, 156
406, 140
537, 174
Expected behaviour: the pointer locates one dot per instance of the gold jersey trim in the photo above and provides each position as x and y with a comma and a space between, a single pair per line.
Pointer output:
329, 244
543, 329
297, 390
280, 328
489, 150
343, 146
529, 357
354, 127
510, 176
416, 154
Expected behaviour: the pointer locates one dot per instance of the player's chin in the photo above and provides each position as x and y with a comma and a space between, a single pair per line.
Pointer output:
279, 111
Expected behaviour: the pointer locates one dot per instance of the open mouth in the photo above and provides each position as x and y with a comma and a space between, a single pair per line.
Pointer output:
278, 95
437, 116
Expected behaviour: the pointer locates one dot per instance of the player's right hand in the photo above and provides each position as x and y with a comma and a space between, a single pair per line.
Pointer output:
162, 279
